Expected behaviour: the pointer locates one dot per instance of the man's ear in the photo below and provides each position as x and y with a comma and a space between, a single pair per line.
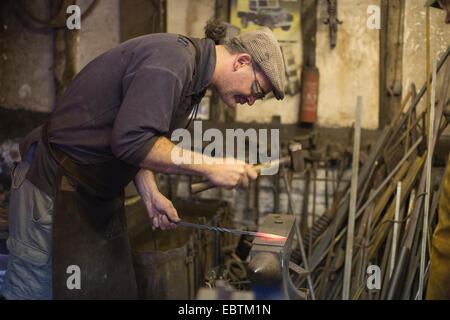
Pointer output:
242, 60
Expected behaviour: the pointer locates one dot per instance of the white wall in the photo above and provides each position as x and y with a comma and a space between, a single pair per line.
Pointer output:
100, 31
188, 17
26, 62
414, 51
350, 69
288, 108
26, 76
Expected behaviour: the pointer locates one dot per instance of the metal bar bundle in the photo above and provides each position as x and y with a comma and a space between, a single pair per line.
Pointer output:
387, 225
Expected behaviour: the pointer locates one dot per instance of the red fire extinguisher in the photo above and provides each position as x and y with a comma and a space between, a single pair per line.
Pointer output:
310, 95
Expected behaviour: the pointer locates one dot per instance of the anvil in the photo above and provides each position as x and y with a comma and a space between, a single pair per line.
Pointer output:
268, 269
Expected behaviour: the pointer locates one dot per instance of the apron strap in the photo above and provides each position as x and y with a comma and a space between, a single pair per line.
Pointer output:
196, 98
105, 180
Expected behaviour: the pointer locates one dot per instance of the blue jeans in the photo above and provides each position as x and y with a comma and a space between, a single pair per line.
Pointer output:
29, 272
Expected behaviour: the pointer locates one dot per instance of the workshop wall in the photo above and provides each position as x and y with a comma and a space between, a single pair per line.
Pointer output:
414, 50
189, 17
100, 31
31, 52
350, 69
26, 60
343, 76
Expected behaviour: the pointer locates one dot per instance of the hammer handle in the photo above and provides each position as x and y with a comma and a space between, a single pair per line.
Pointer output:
206, 185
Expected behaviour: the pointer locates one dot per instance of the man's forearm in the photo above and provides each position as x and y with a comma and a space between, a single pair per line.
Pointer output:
159, 159
147, 176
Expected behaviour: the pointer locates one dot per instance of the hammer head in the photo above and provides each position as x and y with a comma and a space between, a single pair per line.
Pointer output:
297, 156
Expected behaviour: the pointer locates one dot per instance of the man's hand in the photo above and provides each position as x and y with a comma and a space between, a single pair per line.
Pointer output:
229, 174
159, 208
233, 173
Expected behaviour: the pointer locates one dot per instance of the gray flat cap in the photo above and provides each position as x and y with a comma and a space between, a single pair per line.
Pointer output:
265, 50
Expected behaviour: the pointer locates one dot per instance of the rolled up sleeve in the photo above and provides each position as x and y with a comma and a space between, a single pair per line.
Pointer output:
145, 113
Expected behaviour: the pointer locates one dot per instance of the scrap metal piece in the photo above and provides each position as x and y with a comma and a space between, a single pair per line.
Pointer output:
270, 260
297, 157
244, 246
353, 200
427, 184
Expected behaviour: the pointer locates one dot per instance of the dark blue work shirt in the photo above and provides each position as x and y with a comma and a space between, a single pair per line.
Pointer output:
123, 100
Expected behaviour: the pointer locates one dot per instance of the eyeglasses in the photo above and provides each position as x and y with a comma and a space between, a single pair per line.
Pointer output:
257, 90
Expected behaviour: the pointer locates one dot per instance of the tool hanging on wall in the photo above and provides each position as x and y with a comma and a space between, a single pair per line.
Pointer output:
310, 74
333, 22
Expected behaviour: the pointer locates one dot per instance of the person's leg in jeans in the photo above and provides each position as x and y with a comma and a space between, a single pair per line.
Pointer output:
29, 272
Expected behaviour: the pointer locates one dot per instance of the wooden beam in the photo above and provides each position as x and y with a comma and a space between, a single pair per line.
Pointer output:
391, 59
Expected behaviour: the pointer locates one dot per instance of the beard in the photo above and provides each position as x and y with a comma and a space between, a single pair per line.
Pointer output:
230, 101
228, 98
229, 93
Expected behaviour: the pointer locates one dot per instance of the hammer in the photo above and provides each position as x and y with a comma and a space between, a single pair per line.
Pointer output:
296, 160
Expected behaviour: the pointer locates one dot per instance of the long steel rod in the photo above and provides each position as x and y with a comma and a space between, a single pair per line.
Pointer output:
299, 236
428, 184
407, 242
395, 227
322, 246
419, 96
250, 233
375, 193
353, 199
388, 178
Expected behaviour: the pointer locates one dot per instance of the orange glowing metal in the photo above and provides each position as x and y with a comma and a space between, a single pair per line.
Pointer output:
270, 236
266, 236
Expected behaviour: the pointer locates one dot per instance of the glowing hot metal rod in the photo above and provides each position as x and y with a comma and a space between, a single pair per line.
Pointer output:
266, 236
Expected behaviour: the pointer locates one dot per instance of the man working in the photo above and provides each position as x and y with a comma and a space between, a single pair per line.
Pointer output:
110, 127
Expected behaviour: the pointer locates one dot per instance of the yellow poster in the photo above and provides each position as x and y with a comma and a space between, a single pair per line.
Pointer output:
282, 16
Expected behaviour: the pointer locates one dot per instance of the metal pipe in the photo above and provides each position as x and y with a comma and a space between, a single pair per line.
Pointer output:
428, 184
418, 97
395, 231
413, 217
299, 236
388, 178
375, 193
322, 247
268, 236
353, 199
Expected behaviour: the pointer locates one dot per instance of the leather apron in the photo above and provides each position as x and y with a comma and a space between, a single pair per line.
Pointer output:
91, 255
